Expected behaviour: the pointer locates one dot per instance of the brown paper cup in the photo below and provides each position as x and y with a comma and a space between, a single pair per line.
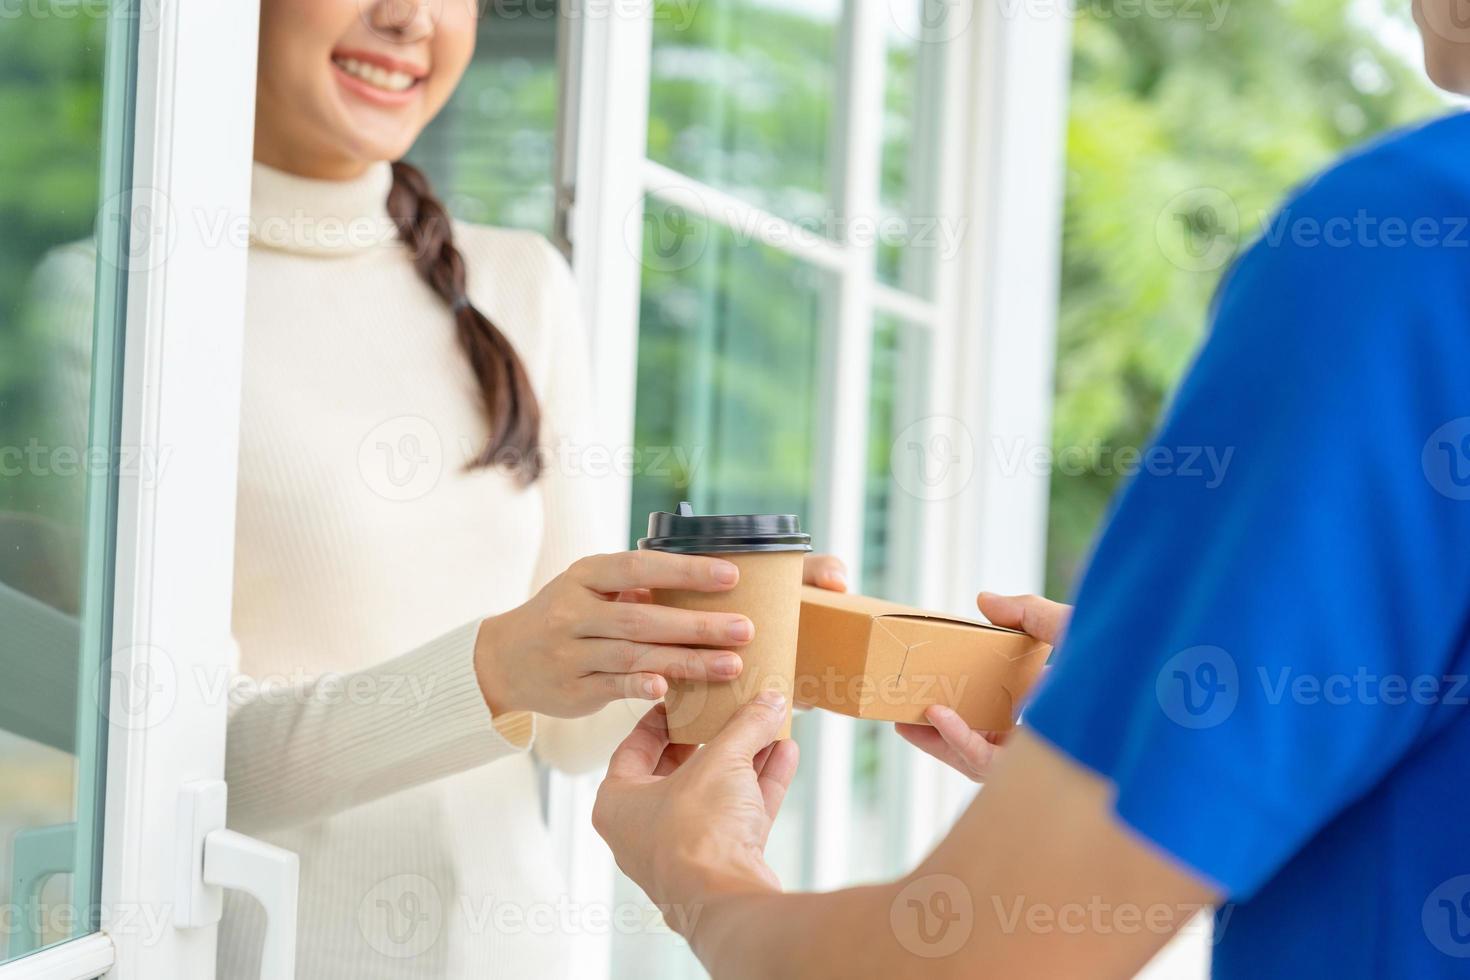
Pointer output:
769, 594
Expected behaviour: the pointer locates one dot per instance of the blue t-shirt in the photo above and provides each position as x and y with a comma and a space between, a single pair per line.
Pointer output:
1270, 651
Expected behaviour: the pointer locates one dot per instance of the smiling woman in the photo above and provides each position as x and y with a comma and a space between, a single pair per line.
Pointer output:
397, 528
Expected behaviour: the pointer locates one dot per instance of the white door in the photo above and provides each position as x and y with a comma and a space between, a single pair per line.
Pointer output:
124, 191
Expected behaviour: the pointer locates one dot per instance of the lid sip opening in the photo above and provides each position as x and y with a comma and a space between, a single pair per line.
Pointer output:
688, 533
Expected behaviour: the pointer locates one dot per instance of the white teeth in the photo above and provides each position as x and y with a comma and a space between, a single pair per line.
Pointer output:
388, 81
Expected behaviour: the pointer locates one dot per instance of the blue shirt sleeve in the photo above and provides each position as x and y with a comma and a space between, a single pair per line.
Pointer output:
1276, 612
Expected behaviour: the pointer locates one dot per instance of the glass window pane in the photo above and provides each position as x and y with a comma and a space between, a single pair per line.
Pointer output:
728, 354
911, 235
742, 95
897, 404
63, 108
491, 151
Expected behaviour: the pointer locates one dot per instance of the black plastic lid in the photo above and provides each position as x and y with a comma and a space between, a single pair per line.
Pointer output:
713, 534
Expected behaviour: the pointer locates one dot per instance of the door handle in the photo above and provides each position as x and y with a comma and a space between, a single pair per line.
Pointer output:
36, 856
211, 859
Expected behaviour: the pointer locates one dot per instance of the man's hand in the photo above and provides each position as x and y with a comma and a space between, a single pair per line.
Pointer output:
689, 824
953, 742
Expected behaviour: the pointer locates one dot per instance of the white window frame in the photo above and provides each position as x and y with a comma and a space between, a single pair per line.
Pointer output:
192, 131
991, 324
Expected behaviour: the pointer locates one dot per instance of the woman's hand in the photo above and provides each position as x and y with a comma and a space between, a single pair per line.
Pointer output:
953, 742
594, 635
826, 572
685, 823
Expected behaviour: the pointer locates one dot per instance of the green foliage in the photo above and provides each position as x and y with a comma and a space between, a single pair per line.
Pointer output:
1160, 108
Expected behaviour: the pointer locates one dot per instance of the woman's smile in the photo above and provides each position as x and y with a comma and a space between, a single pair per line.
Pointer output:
377, 78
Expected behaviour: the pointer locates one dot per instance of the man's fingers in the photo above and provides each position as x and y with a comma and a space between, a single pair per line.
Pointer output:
973, 747
628, 570
926, 739
640, 753
674, 756
753, 727
825, 571
776, 773
1030, 614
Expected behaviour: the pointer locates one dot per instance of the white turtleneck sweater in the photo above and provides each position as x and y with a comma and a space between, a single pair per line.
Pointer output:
365, 555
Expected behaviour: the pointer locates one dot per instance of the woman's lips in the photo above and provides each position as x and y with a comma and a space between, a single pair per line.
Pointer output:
378, 78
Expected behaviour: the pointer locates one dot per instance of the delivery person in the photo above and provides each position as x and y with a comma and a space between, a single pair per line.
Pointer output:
1260, 703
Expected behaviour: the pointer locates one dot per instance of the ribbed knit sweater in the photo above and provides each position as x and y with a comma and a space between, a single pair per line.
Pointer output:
366, 554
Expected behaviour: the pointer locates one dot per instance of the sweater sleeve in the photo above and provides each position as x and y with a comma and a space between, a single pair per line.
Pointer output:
576, 487
305, 751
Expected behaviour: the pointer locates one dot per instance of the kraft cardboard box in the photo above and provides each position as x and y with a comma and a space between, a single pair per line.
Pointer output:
870, 658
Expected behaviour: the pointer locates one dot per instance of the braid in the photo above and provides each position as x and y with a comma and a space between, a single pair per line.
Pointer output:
510, 403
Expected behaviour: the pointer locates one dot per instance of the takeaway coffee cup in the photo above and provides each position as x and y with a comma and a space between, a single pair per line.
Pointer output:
769, 549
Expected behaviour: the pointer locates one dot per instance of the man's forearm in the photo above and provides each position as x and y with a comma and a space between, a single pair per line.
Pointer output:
774, 936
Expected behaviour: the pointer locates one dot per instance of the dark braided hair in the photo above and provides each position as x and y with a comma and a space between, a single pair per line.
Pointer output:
510, 403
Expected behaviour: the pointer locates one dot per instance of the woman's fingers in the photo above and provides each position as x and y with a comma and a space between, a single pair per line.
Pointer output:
627, 570
675, 663
826, 572
602, 688
647, 623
